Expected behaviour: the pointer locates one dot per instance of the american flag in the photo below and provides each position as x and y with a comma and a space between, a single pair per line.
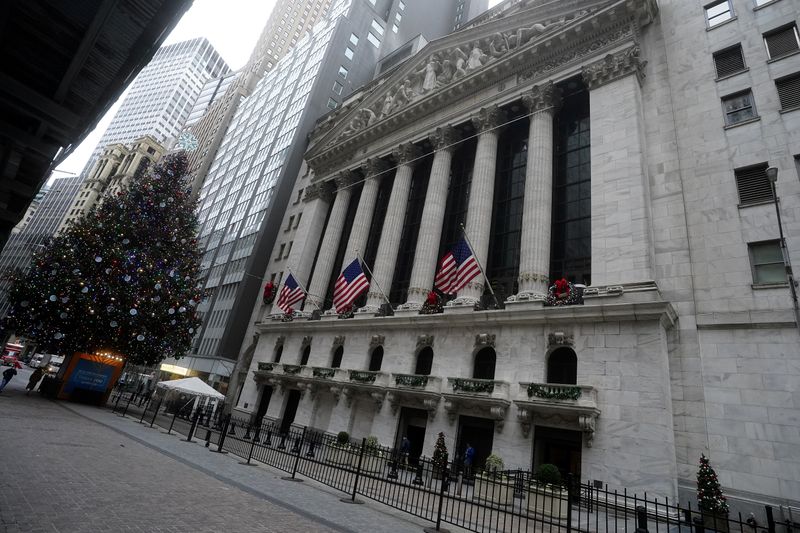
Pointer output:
457, 268
291, 294
350, 284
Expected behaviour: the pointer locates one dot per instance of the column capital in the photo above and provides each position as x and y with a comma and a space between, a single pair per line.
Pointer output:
445, 137
375, 167
345, 178
323, 190
488, 118
407, 154
542, 97
614, 66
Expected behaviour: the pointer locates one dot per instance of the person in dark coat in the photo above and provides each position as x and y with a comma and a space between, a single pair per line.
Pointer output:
7, 375
34, 379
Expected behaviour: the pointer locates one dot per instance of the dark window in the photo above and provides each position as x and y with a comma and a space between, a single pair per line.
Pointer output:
306, 354
336, 362
278, 353
782, 41
485, 361
345, 236
562, 367
571, 242
738, 107
789, 91
424, 362
455, 213
376, 359
718, 12
408, 241
509, 194
729, 61
753, 184
766, 260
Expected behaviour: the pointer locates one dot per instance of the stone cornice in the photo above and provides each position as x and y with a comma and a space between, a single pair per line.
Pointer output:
539, 59
542, 97
613, 67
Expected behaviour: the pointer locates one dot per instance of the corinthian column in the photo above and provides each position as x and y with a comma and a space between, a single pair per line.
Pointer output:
389, 246
534, 264
330, 242
374, 170
430, 229
481, 196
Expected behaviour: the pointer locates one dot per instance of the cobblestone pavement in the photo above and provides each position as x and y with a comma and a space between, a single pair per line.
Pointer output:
72, 468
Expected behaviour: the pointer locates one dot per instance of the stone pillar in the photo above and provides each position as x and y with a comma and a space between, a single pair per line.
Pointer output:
534, 265
430, 230
622, 250
330, 242
375, 170
481, 196
389, 246
317, 201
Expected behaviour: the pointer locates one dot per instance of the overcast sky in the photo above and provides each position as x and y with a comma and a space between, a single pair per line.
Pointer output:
232, 26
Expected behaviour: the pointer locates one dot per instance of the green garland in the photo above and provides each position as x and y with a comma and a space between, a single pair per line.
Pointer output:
292, 369
362, 377
266, 367
324, 373
472, 385
411, 380
562, 393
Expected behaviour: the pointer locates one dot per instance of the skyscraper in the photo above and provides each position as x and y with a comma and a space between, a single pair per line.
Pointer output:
251, 177
289, 20
160, 99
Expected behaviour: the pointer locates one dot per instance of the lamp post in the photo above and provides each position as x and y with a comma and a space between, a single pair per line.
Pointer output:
772, 175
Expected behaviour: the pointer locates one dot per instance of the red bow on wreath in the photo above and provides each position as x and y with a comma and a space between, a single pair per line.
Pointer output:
562, 288
269, 292
432, 298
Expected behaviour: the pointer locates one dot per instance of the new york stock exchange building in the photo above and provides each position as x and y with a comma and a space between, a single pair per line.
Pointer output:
587, 142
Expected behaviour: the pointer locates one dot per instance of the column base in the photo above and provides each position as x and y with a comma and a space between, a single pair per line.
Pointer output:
462, 304
330, 314
368, 311
409, 306
527, 296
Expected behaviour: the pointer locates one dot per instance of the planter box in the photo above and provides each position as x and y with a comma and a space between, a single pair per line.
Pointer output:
547, 502
496, 490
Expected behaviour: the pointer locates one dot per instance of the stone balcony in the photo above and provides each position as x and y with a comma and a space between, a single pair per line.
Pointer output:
414, 390
491, 397
565, 405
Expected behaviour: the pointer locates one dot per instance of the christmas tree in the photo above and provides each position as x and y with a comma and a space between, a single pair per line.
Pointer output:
121, 279
440, 452
709, 493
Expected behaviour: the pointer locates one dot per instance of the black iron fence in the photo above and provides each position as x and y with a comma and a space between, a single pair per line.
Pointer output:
442, 492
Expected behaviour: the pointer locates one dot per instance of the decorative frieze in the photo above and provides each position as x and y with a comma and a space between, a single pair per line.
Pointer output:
323, 190
615, 66
376, 340
338, 340
424, 340
560, 339
484, 339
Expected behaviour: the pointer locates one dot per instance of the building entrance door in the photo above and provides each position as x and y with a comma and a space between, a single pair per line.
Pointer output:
290, 410
479, 432
560, 447
413, 424
263, 403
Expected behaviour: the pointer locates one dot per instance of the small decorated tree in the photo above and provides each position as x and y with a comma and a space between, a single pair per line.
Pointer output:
440, 452
709, 493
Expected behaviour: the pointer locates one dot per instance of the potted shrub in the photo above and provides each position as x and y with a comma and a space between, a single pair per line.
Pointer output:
546, 495
493, 484
712, 503
341, 451
373, 456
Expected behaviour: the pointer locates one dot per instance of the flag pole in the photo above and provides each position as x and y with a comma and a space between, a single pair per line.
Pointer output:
304, 289
372, 278
491, 291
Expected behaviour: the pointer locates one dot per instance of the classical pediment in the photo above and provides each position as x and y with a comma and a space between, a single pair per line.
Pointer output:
462, 62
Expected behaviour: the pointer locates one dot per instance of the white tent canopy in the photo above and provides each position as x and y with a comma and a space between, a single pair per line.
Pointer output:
193, 386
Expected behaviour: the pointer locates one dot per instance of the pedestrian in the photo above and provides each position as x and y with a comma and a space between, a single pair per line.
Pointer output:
405, 449
469, 457
7, 375
34, 379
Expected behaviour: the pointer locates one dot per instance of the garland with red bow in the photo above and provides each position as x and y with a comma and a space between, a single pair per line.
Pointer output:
269, 292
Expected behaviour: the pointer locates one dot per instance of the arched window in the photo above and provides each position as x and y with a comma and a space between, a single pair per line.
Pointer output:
376, 359
562, 367
485, 361
278, 354
306, 354
337, 357
424, 362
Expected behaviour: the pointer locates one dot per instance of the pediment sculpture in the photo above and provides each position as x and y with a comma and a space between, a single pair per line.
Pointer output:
444, 67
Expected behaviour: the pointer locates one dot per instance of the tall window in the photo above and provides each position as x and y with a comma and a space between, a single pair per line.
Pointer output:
408, 241
766, 260
337, 263
571, 242
562, 367
278, 353
305, 356
455, 213
336, 360
509, 192
485, 362
376, 359
424, 362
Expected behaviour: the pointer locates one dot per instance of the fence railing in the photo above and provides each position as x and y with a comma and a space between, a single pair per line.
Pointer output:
442, 492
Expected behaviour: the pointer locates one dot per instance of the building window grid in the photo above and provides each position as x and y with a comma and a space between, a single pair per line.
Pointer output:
782, 41
766, 262
718, 12
739, 107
